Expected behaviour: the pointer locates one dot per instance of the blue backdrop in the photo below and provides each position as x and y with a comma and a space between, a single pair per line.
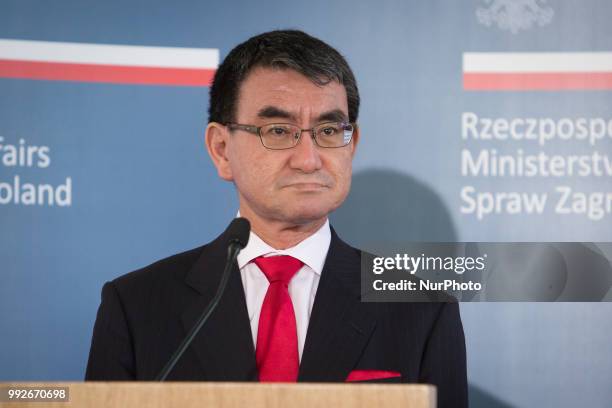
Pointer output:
142, 186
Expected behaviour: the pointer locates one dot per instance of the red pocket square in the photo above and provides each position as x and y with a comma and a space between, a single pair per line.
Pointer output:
366, 375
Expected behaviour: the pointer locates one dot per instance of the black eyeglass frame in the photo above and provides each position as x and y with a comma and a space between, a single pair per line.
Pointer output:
256, 130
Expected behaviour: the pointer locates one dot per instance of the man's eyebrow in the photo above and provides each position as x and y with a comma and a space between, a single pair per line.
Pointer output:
271, 112
335, 115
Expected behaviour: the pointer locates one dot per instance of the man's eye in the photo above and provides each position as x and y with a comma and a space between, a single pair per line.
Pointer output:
278, 131
328, 131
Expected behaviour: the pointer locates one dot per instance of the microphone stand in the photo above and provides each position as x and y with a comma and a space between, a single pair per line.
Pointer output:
232, 252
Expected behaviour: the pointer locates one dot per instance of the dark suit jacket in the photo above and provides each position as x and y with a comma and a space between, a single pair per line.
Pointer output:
144, 315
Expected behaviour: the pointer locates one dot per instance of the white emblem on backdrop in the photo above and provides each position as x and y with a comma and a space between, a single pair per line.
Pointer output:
515, 15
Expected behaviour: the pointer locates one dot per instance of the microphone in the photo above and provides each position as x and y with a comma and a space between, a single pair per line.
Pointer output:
238, 233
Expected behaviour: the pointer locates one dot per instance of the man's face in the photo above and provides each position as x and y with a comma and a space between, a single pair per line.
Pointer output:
298, 185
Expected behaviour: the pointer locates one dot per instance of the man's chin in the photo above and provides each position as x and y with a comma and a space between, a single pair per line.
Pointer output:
308, 188
303, 216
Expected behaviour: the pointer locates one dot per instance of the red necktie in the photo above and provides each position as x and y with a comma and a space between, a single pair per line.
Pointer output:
277, 347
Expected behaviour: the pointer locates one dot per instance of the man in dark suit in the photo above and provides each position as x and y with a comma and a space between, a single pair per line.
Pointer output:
282, 128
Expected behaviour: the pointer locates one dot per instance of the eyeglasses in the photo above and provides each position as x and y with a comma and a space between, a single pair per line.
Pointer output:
280, 136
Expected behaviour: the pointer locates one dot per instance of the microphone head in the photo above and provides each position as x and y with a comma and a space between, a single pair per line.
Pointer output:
238, 232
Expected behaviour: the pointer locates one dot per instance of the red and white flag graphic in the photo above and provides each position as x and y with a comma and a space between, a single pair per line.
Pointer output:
122, 64
537, 71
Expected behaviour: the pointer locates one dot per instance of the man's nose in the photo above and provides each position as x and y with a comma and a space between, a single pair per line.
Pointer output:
305, 155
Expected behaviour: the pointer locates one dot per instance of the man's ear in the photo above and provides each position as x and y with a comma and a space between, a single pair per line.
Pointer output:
217, 138
355, 140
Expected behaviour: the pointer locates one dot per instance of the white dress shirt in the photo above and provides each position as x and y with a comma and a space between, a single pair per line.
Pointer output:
303, 287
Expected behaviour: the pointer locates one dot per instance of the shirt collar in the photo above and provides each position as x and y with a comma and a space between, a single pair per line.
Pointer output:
312, 251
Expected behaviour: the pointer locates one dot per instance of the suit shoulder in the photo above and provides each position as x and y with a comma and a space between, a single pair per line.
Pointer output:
172, 267
339, 245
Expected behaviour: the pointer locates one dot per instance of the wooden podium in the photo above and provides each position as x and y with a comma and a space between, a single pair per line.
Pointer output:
230, 395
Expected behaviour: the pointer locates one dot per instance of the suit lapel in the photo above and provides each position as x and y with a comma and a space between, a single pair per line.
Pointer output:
224, 346
340, 325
